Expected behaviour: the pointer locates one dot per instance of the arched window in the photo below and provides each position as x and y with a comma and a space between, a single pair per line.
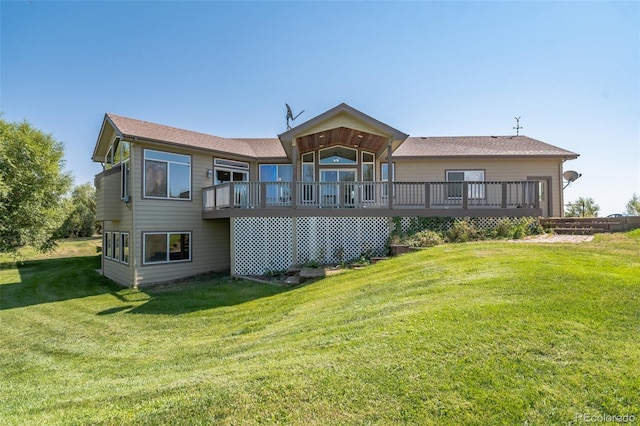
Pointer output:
338, 155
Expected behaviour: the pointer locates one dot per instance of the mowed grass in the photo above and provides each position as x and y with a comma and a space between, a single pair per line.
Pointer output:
479, 333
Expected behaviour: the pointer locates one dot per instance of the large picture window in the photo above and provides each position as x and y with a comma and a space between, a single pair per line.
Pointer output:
167, 175
163, 247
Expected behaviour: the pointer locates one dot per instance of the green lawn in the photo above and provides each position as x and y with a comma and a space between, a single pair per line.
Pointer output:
478, 333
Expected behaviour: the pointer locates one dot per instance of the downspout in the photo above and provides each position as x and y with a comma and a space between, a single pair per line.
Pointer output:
389, 174
294, 174
560, 167
294, 201
133, 255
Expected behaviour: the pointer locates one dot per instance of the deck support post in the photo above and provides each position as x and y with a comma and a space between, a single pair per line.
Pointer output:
263, 195
504, 195
232, 196
465, 195
427, 195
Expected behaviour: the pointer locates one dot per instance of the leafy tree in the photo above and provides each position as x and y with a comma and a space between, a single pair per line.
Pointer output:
81, 217
633, 206
32, 186
582, 207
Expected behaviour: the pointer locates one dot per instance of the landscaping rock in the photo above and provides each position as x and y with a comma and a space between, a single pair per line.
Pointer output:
292, 280
311, 273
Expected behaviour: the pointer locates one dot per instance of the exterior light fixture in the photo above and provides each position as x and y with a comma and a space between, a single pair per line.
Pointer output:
209, 173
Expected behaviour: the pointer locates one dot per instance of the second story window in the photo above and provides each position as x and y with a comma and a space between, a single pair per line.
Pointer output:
167, 175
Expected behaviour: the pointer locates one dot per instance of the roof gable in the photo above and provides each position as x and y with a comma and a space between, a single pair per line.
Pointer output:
138, 129
335, 117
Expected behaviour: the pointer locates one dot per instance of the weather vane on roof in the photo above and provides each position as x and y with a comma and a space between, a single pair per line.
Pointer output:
290, 116
517, 128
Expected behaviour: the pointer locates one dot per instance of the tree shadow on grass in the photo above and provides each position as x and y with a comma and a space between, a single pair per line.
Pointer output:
54, 280
203, 293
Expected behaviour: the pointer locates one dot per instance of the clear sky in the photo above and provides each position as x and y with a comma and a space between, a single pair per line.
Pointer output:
571, 70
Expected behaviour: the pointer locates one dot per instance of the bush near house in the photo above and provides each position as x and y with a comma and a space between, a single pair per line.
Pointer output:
428, 232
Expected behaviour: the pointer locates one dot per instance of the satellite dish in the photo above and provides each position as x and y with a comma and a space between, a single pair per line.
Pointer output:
290, 116
570, 176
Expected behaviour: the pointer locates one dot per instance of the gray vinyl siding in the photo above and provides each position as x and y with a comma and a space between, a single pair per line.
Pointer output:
116, 271
209, 238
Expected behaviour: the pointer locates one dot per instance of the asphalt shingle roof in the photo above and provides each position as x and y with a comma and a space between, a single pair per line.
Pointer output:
271, 148
479, 146
252, 148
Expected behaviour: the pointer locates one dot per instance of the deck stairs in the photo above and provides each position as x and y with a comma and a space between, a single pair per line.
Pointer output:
590, 225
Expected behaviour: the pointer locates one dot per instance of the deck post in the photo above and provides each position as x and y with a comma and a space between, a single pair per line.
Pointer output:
263, 195
294, 175
232, 196
427, 195
504, 194
536, 194
465, 195
389, 174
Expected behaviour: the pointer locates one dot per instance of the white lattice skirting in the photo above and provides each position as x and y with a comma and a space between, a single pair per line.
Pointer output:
267, 244
263, 244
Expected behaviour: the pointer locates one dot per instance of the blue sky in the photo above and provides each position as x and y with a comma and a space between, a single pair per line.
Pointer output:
571, 70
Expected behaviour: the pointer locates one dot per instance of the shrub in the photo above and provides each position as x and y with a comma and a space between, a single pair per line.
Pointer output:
462, 231
425, 238
502, 229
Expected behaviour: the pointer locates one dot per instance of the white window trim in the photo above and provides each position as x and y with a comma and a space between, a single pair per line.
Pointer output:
144, 175
144, 234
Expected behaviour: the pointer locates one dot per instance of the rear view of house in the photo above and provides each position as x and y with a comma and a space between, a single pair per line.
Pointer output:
176, 203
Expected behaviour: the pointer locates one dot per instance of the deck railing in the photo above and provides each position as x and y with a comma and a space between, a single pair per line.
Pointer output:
462, 195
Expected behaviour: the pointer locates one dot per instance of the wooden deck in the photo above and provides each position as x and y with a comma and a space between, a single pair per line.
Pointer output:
369, 199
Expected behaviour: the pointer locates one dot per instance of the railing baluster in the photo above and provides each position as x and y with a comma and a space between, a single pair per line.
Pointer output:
425, 195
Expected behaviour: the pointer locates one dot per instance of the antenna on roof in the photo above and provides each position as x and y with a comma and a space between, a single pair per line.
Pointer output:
517, 128
290, 116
